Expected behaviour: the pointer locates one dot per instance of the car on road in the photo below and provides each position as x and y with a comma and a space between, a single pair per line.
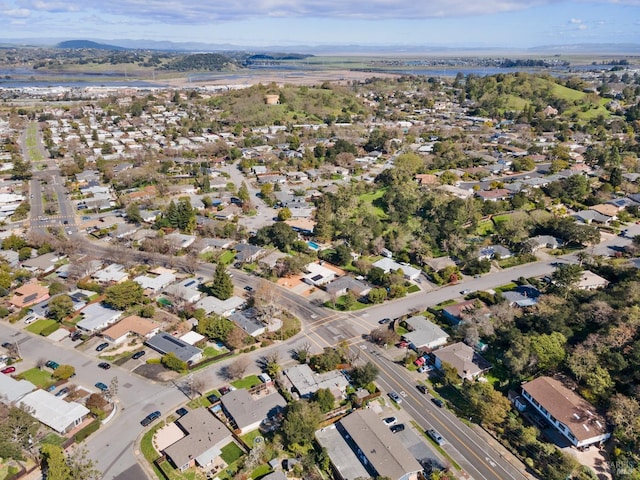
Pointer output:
395, 397
62, 391
139, 354
102, 346
8, 370
7, 344
150, 418
390, 421
52, 365
213, 398
66, 222
248, 288
436, 401
422, 389
182, 411
86, 217
466, 291
104, 365
384, 321
397, 428
101, 386
435, 436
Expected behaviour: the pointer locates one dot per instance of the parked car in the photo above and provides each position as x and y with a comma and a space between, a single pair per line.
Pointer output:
8, 370
30, 319
104, 365
150, 418
102, 346
52, 365
397, 428
182, 411
384, 321
62, 391
390, 421
77, 335
436, 436
7, 345
425, 368
213, 398
395, 397
101, 386
248, 288
139, 354
466, 291
438, 402
422, 389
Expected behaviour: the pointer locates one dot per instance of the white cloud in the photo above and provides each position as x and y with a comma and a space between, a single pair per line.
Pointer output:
575, 21
582, 27
16, 12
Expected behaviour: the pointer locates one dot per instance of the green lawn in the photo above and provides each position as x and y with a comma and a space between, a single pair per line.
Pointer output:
340, 305
247, 382
261, 471
413, 289
227, 257
53, 439
370, 199
248, 438
39, 325
485, 228
231, 453
40, 378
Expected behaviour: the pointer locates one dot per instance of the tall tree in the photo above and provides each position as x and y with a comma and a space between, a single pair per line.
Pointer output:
301, 421
222, 286
54, 463
123, 295
60, 307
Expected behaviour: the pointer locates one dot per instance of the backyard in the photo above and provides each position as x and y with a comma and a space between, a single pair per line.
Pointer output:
40, 378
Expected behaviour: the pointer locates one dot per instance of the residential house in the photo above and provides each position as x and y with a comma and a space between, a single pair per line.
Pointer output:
494, 195
204, 438
544, 241
522, 296
571, 415
96, 316
305, 226
607, 209
131, 325
388, 265
42, 264
224, 308
346, 284
591, 281
375, 447
11, 257
247, 253
592, 216
304, 382
247, 322
319, 274
180, 240
155, 280
467, 362
187, 289
459, 312
29, 294
164, 343
494, 251
53, 411
248, 411
114, 273
439, 263
12, 390
424, 334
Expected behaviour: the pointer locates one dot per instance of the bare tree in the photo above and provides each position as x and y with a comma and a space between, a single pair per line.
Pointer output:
302, 352
41, 363
236, 369
266, 300
113, 387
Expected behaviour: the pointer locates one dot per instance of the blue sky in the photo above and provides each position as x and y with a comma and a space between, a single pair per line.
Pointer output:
454, 23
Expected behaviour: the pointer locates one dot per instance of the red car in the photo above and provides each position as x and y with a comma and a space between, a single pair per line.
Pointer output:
8, 370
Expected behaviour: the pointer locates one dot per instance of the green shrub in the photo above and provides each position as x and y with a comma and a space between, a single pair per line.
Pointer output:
153, 361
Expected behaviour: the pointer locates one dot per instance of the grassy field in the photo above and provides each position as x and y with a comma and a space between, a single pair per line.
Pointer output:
247, 382
227, 257
40, 378
33, 152
485, 228
38, 326
369, 199
231, 453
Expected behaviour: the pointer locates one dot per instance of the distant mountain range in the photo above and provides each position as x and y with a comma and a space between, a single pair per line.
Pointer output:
131, 44
88, 44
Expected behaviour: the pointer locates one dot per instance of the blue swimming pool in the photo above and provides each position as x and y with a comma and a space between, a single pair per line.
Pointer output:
313, 245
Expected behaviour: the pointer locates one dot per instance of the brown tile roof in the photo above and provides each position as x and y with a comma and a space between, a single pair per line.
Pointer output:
132, 324
567, 407
29, 294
